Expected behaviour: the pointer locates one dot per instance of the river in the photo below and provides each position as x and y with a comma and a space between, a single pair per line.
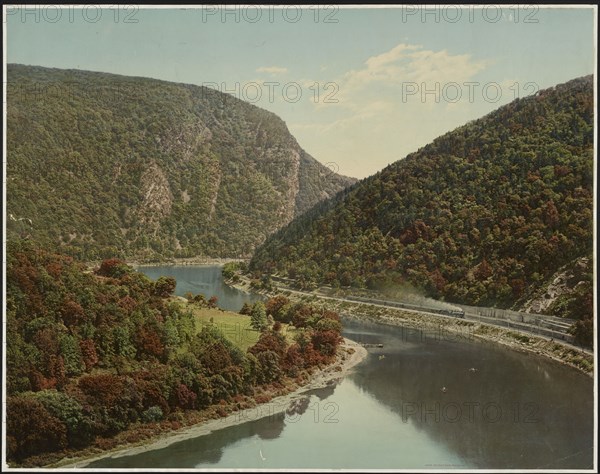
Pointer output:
205, 279
423, 401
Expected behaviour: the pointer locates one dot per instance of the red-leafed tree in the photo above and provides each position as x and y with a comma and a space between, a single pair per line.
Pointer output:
275, 307
185, 398
31, 429
72, 313
293, 360
326, 342
149, 342
270, 341
88, 353
104, 389
212, 301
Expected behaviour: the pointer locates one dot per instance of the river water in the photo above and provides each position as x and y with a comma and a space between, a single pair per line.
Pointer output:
204, 279
424, 401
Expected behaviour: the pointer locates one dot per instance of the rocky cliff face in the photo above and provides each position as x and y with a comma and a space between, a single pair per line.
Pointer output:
105, 164
485, 215
570, 285
157, 199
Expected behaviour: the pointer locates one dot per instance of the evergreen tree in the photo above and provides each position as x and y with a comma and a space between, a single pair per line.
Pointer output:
259, 316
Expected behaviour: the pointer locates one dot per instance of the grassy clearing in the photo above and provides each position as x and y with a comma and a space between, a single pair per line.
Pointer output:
235, 327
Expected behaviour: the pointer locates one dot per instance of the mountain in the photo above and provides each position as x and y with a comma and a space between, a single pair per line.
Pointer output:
486, 214
103, 165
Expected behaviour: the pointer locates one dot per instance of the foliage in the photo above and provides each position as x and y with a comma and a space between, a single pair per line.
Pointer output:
258, 316
90, 353
153, 413
484, 215
31, 429
165, 286
142, 168
246, 309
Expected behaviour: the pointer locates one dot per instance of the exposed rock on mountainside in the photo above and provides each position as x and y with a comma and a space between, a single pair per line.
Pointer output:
107, 165
571, 282
486, 214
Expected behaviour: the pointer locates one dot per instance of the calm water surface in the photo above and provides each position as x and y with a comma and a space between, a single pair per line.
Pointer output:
204, 279
513, 411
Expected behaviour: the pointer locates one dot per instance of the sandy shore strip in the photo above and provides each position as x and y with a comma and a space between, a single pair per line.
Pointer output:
346, 360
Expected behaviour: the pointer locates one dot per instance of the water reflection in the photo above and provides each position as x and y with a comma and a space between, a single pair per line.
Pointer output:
209, 449
513, 411
500, 409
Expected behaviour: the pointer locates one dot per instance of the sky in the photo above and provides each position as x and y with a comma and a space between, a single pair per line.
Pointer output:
358, 87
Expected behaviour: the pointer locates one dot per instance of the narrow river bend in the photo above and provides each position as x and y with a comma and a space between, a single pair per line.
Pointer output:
423, 401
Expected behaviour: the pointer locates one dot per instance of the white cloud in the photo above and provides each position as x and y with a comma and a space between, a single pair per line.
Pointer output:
273, 70
370, 123
406, 63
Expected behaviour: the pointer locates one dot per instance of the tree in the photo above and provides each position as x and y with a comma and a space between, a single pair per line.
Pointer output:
278, 307
246, 309
551, 214
71, 354
258, 317
113, 267
72, 313
185, 398
152, 414
483, 270
88, 353
270, 366
149, 341
165, 286
31, 429
70, 412
299, 314
326, 342
212, 301
270, 341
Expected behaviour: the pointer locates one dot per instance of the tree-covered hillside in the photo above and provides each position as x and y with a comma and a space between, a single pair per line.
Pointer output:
90, 354
106, 165
485, 214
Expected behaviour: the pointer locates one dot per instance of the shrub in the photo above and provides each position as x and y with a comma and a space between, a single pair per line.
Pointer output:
114, 268
152, 414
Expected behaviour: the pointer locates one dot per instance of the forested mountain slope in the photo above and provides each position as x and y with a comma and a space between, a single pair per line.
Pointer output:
107, 165
485, 214
90, 355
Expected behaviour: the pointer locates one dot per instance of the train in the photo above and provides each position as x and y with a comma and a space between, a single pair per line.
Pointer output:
455, 313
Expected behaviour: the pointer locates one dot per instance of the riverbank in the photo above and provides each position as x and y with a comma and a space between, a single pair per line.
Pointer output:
452, 327
458, 329
186, 261
172, 262
349, 355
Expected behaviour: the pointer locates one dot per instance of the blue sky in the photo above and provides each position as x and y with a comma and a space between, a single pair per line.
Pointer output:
348, 82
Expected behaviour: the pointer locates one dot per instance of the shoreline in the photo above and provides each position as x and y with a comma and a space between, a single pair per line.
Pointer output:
512, 339
537, 346
346, 359
191, 261
534, 345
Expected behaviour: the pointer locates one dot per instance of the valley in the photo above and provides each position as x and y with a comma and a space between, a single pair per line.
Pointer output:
240, 243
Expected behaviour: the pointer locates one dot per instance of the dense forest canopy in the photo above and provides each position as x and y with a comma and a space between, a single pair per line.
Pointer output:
485, 214
103, 165
92, 353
